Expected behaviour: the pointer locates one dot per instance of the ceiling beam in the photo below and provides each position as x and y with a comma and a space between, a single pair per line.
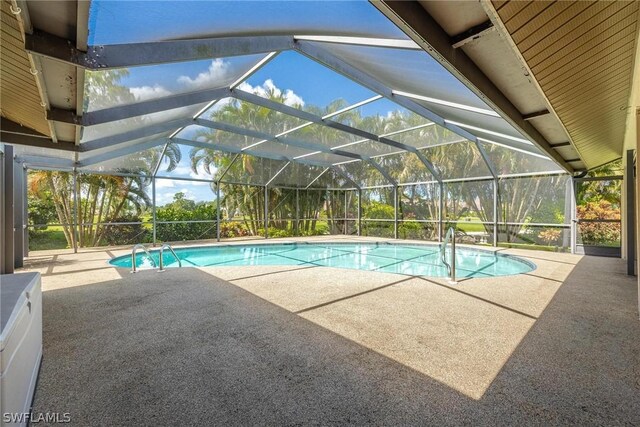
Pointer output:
411, 17
53, 163
285, 109
14, 133
104, 57
141, 108
471, 34
142, 132
535, 114
235, 150
342, 174
383, 172
121, 152
560, 144
363, 41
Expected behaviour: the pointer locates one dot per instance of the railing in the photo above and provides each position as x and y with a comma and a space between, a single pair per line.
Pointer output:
133, 257
451, 265
166, 245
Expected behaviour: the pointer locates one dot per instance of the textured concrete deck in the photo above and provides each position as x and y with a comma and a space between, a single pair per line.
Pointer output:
317, 345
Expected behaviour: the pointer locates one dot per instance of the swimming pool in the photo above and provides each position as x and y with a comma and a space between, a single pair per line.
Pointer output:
411, 259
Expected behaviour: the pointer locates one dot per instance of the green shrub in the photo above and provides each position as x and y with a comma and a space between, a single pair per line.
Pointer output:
180, 211
599, 233
125, 234
233, 229
416, 230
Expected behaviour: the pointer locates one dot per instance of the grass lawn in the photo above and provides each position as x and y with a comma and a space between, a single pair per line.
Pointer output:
52, 238
470, 225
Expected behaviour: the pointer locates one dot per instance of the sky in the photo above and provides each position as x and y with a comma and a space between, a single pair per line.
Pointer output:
114, 22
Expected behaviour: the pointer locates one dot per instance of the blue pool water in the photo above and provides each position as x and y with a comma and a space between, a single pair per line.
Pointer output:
419, 260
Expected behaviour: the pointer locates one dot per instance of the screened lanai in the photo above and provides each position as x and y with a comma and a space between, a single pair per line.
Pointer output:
320, 104
337, 212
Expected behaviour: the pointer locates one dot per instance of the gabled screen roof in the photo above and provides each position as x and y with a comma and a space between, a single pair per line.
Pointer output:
346, 92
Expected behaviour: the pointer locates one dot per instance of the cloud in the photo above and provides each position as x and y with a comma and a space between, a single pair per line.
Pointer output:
165, 183
185, 172
215, 75
144, 93
290, 97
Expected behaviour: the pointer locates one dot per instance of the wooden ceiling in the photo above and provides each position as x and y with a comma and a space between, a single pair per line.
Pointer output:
582, 55
20, 99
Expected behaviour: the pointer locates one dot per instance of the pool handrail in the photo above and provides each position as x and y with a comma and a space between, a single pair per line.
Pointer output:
166, 245
451, 265
134, 269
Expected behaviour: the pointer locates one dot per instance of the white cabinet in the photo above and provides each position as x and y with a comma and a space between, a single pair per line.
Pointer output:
20, 343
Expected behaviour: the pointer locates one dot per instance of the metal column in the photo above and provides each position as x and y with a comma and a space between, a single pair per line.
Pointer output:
495, 212
18, 215
345, 228
574, 220
359, 212
7, 266
568, 215
297, 218
218, 211
25, 229
440, 209
2, 211
75, 211
153, 208
395, 211
266, 212
630, 212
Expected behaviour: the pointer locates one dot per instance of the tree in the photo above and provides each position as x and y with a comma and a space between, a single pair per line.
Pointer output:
103, 199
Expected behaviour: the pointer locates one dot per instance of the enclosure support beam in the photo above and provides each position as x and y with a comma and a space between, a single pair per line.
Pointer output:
574, 220
18, 215
25, 206
415, 21
344, 227
153, 210
122, 152
395, 211
487, 160
630, 212
227, 168
440, 209
218, 194
316, 178
495, 212
7, 266
383, 172
297, 219
324, 121
76, 211
266, 212
277, 173
104, 57
359, 212
218, 211
162, 153
568, 215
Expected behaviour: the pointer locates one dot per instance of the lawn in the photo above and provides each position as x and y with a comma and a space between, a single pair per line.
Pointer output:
470, 225
51, 238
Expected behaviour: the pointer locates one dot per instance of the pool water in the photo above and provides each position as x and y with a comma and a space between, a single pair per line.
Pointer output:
418, 260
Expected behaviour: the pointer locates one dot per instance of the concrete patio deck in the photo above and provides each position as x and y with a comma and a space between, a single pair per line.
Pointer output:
316, 345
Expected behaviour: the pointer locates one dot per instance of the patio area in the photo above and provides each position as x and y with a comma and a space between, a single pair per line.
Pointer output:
270, 345
432, 207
